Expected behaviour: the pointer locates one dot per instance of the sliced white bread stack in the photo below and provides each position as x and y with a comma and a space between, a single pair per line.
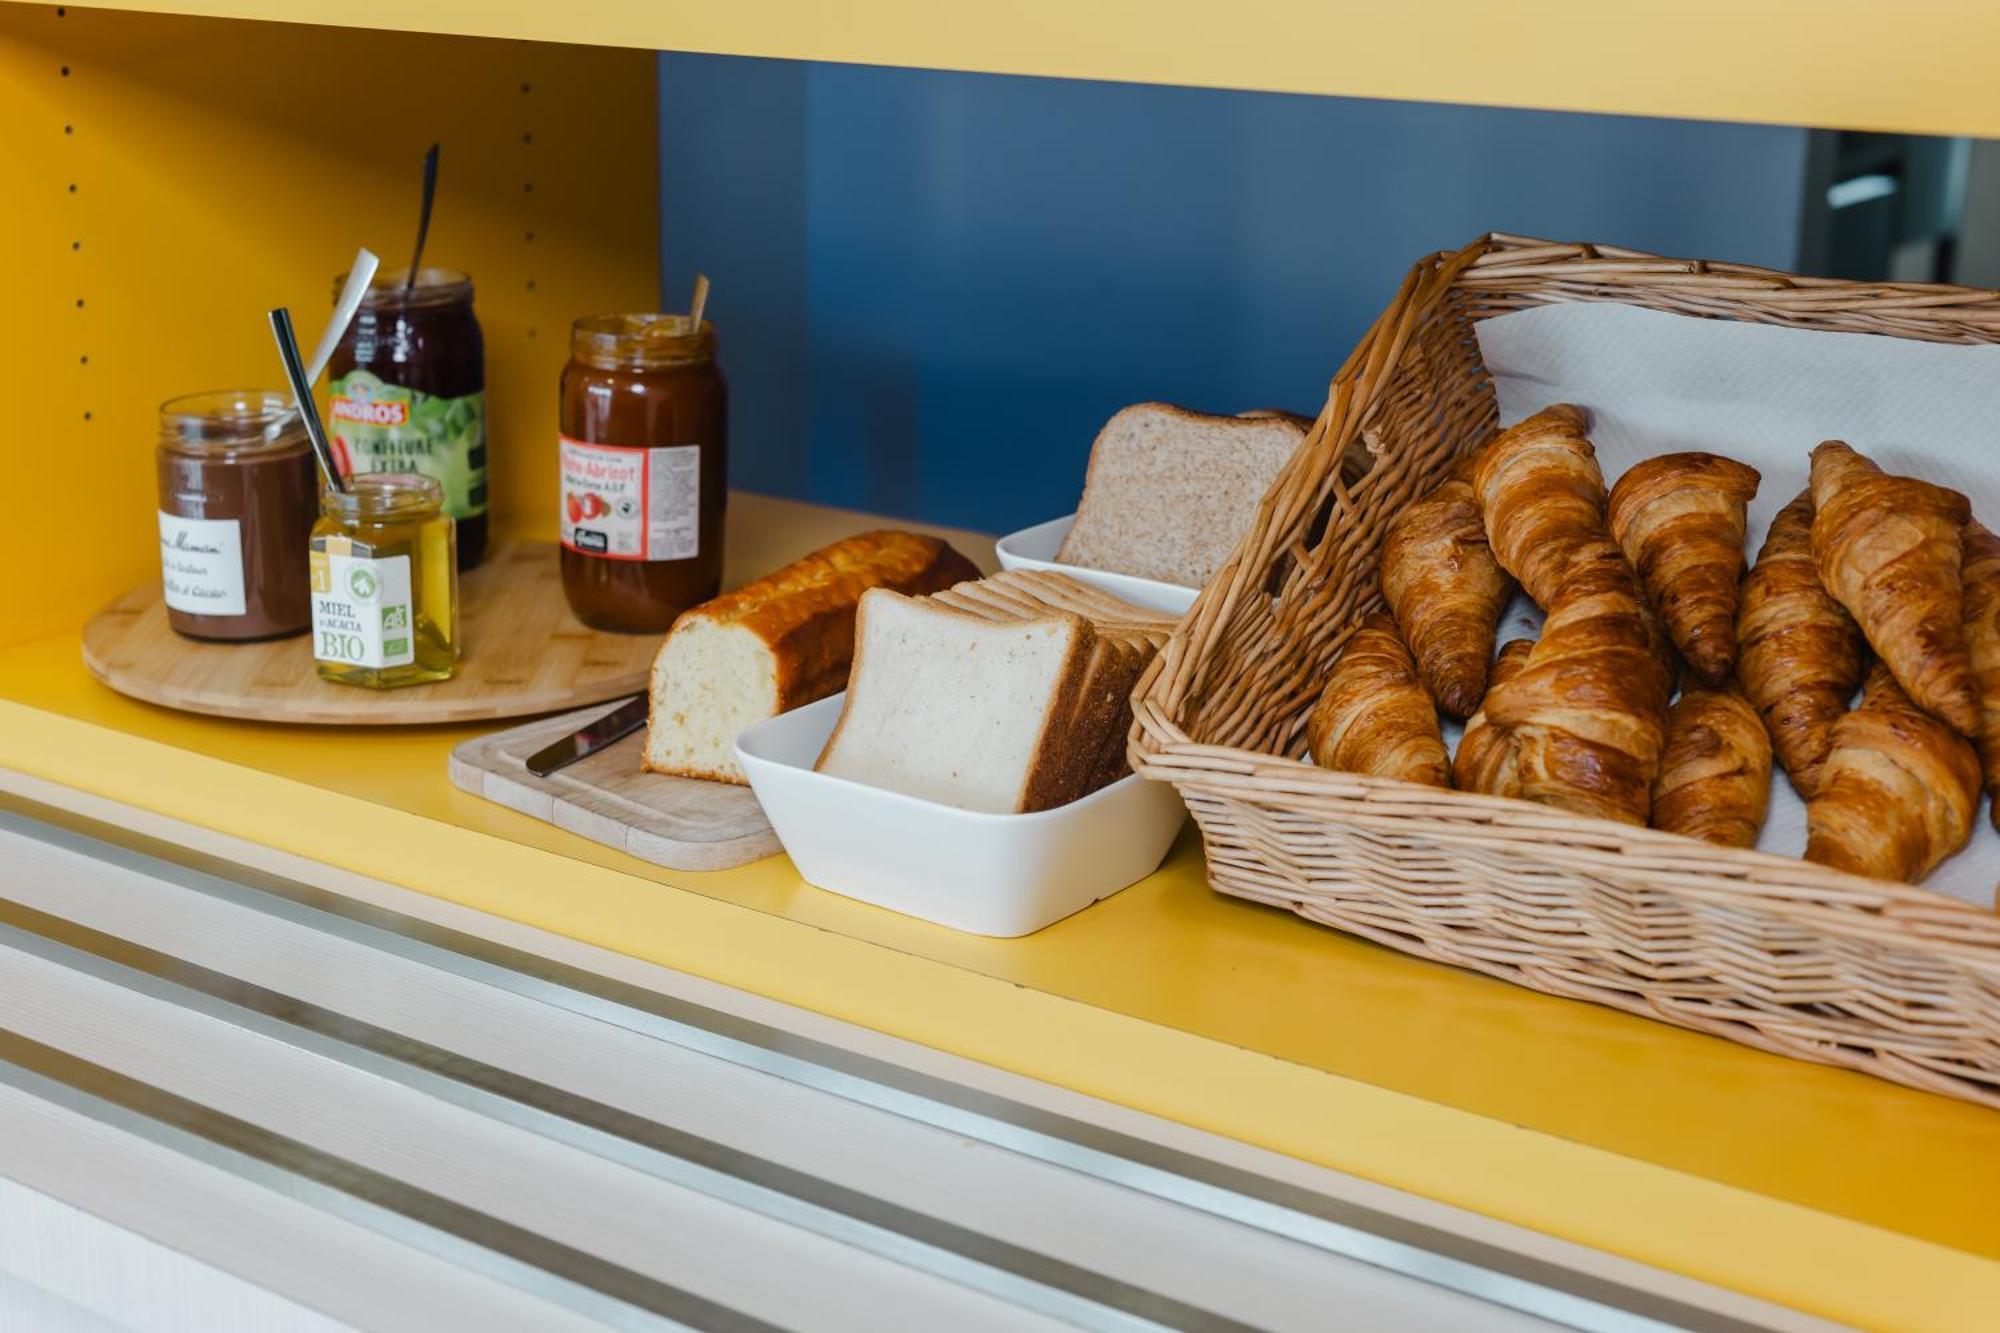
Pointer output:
1004, 696
774, 645
1169, 493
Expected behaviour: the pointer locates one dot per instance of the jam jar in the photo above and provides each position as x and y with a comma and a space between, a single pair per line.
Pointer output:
644, 461
238, 487
408, 392
384, 583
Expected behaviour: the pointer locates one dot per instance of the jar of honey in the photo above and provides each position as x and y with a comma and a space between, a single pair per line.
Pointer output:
644, 460
384, 572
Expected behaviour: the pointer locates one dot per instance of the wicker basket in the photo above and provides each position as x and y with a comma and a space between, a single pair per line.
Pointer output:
1769, 951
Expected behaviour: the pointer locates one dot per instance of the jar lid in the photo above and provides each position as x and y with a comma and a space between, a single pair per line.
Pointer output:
434, 287
640, 342
383, 495
232, 420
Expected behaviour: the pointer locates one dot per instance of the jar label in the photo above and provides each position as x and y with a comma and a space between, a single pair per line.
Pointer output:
379, 427
362, 614
201, 565
631, 504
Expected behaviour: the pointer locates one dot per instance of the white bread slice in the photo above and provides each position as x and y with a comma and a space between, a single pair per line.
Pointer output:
1006, 695
1169, 493
774, 644
952, 707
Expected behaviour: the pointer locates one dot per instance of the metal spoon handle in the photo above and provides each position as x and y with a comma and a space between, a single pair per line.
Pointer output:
295, 374
423, 218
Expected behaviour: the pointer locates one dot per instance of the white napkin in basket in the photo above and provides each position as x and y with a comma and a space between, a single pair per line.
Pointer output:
1657, 383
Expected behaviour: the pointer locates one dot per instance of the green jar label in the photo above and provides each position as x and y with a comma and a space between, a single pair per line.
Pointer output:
378, 427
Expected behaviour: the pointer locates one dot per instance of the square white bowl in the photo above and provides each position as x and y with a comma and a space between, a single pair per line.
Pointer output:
1036, 547
983, 873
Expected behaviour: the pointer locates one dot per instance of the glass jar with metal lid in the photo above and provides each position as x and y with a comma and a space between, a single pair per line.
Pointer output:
407, 392
644, 464
238, 488
384, 583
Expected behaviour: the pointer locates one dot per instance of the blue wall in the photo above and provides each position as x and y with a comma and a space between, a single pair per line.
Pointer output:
933, 288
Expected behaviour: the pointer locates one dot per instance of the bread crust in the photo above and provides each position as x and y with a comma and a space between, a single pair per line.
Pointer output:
805, 613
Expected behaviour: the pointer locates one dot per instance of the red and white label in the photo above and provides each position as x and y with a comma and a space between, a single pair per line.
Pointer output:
631, 504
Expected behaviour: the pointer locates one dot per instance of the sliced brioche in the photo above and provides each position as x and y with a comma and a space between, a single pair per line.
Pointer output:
775, 644
1170, 492
1007, 695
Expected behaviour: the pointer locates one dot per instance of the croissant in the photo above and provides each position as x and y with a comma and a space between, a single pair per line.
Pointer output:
1982, 642
1715, 775
1888, 549
1373, 716
1446, 591
1587, 713
1542, 497
1485, 758
1799, 653
1899, 790
1679, 520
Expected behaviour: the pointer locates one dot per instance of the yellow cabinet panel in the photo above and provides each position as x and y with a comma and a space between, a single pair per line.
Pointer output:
170, 179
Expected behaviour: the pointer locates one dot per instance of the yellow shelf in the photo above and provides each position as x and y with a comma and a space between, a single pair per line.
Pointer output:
1854, 1198
1836, 63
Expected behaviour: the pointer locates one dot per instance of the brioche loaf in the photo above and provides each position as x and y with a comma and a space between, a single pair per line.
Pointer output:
1170, 492
1004, 696
775, 644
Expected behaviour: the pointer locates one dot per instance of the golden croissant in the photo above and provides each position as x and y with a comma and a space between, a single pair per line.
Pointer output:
1446, 591
1587, 714
1542, 497
1679, 520
1485, 758
1715, 775
1374, 716
1889, 550
1899, 791
1981, 575
1799, 654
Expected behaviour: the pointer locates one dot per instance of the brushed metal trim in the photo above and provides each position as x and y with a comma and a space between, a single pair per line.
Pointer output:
590, 1286
927, 1244
1352, 1230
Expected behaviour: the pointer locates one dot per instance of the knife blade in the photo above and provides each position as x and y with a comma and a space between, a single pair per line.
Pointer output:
605, 731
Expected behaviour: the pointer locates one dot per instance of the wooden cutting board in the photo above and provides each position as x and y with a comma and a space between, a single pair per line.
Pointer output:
524, 653
679, 823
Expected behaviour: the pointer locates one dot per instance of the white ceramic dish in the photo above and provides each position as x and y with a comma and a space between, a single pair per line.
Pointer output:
987, 874
1035, 548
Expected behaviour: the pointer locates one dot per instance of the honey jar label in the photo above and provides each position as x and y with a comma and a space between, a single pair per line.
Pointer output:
201, 565
379, 427
361, 610
631, 503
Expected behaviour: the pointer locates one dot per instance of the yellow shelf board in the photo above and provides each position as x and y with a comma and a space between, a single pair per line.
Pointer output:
1856, 1199
1833, 63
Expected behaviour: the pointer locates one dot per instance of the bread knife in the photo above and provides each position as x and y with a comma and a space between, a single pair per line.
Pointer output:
606, 731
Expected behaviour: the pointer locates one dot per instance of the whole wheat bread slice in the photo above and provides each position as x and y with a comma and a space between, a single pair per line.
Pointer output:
1169, 492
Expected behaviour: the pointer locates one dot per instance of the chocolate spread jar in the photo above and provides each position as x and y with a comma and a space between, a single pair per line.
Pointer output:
238, 494
645, 462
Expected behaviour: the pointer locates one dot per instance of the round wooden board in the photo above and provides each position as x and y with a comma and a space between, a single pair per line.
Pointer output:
524, 653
